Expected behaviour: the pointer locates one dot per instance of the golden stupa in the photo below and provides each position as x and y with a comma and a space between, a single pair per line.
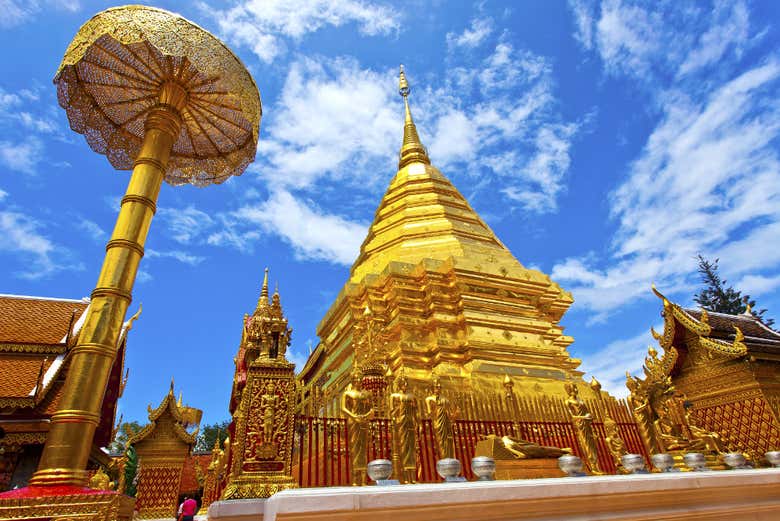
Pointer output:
437, 295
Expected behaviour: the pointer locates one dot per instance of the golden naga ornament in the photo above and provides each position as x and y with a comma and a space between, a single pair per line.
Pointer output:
158, 94
664, 424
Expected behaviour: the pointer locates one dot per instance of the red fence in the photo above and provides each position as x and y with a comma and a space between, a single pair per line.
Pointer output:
321, 451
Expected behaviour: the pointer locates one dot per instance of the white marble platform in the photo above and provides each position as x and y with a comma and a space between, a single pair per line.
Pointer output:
716, 496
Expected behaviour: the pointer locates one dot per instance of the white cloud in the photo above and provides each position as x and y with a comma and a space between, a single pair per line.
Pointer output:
313, 234
38, 124
635, 38
609, 364
265, 25
143, 276
17, 12
22, 156
333, 119
20, 235
730, 27
583, 12
185, 225
3, 194
708, 178
473, 36
178, 255
755, 285
92, 229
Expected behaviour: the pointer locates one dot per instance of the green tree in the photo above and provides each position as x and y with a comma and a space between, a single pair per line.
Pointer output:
208, 435
125, 431
718, 297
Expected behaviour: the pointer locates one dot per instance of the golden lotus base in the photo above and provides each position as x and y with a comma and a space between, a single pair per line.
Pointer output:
65, 503
255, 487
528, 468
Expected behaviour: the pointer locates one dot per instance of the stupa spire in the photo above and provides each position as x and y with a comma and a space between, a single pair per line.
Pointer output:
412, 150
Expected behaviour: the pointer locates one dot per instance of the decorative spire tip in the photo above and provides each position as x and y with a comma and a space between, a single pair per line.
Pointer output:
403, 85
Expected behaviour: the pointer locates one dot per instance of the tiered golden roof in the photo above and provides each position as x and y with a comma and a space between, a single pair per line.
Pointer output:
453, 299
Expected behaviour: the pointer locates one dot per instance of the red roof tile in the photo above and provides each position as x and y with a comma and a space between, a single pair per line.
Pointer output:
33, 320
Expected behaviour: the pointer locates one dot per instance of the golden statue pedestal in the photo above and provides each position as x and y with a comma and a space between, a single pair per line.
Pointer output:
66, 502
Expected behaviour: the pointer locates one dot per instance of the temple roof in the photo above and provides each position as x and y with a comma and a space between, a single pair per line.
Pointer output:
173, 410
33, 331
730, 335
35, 336
37, 320
756, 336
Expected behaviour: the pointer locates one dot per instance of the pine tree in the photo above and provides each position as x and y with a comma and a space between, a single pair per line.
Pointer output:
718, 297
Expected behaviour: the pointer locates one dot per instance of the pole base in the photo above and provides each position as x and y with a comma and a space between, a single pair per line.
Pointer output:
65, 502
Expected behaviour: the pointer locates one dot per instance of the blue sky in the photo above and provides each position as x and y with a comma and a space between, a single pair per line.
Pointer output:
605, 143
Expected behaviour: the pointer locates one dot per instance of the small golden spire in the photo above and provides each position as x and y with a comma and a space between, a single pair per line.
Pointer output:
595, 385
262, 302
264, 290
412, 150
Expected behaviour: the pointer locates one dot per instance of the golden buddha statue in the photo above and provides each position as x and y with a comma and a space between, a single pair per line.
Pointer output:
100, 480
616, 445
441, 413
711, 440
357, 406
403, 411
523, 449
583, 426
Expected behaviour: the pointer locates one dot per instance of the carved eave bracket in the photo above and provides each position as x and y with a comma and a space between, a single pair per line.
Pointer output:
733, 350
674, 314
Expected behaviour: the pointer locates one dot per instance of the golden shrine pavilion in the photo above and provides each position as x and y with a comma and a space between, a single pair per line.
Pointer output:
36, 336
440, 295
727, 368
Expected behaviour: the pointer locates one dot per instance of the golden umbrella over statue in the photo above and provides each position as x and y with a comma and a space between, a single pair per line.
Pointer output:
159, 95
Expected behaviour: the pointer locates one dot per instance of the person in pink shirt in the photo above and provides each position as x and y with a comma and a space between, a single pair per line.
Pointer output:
187, 509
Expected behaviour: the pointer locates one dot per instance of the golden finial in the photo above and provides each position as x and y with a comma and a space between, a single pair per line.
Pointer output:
705, 317
171, 391
412, 150
507, 380
264, 290
595, 385
366, 311
659, 295
403, 85
739, 336
179, 402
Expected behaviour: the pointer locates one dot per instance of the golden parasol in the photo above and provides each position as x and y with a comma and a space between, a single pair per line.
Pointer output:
158, 94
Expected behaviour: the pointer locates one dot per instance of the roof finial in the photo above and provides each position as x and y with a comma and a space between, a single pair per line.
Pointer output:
262, 302
412, 150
